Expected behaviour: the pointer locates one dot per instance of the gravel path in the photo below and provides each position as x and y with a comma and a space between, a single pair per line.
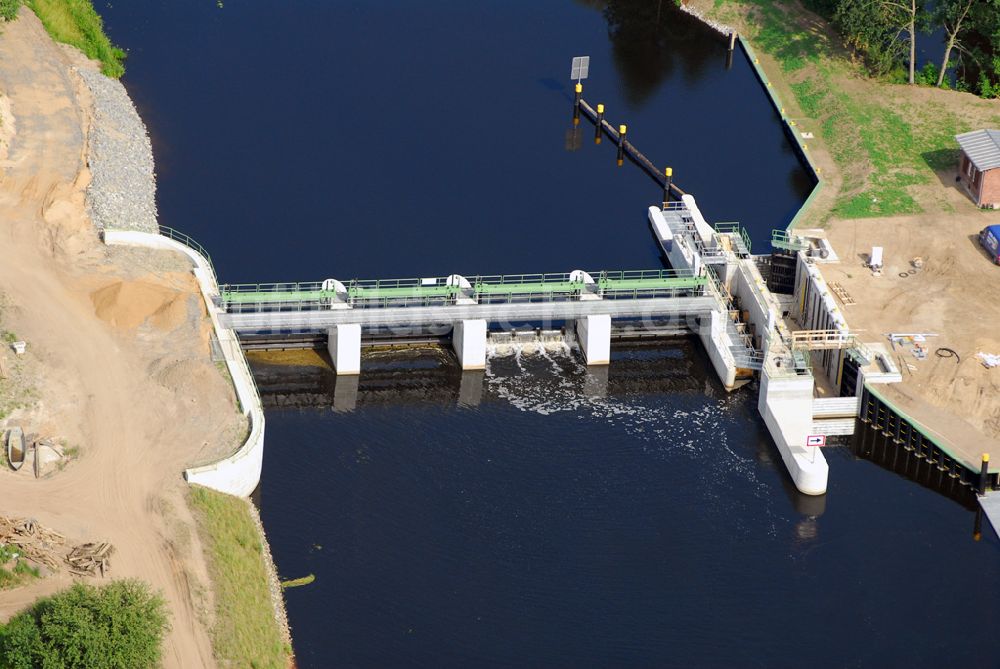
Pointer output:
122, 193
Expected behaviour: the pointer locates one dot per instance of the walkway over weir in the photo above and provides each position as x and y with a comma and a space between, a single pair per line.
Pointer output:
449, 300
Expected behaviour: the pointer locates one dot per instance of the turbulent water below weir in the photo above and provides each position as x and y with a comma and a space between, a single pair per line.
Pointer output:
540, 514
566, 516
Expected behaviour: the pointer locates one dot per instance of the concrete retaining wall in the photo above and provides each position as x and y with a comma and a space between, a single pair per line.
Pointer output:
816, 309
786, 403
239, 473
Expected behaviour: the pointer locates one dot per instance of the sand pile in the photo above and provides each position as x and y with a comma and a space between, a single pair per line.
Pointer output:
129, 304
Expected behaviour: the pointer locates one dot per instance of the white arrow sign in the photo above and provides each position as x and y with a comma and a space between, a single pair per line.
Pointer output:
816, 440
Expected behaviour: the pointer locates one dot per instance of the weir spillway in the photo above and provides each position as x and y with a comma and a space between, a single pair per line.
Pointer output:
713, 290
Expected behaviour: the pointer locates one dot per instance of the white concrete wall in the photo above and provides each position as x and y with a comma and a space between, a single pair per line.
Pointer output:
786, 404
817, 310
593, 333
344, 345
749, 286
469, 341
239, 473
705, 231
713, 337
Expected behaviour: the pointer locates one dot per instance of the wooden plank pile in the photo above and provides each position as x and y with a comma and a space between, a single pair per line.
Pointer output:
35, 542
90, 559
842, 293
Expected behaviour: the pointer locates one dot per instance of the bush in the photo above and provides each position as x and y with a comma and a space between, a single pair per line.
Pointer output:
120, 625
8, 9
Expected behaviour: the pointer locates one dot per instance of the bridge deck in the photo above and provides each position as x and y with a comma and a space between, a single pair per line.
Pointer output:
382, 293
449, 314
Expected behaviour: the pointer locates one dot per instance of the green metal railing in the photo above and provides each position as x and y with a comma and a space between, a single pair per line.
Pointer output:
486, 289
734, 229
190, 242
782, 239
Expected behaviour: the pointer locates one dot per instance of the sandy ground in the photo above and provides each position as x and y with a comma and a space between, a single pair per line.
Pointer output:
118, 347
956, 295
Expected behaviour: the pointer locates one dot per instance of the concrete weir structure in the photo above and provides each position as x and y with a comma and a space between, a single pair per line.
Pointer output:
714, 290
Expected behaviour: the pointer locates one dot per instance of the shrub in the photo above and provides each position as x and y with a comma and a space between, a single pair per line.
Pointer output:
120, 625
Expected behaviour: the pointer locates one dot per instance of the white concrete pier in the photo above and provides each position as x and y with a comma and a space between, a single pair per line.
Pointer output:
593, 333
344, 345
469, 341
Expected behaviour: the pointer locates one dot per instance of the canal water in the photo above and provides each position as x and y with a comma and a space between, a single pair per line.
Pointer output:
540, 514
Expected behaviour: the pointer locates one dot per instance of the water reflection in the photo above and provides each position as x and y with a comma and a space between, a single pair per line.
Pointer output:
652, 40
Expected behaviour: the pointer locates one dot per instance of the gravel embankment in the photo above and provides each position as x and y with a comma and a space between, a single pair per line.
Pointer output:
122, 191
714, 25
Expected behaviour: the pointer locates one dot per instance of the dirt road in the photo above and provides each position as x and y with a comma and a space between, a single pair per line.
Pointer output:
138, 395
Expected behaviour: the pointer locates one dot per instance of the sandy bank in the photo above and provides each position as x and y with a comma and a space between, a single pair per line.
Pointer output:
117, 340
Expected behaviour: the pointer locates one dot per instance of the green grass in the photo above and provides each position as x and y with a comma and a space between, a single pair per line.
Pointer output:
882, 151
18, 574
76, 22
299, 582
244, 633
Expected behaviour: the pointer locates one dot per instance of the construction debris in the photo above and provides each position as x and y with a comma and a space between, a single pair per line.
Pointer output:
842, 293
47, 548
90, 559
35, 543
989, 360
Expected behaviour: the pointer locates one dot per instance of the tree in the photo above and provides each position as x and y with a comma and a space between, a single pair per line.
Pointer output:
118, 626
907, 13
951, 14
876, 27
983, 42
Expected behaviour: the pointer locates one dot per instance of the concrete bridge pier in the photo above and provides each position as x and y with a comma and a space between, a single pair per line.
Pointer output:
469, 341
344, 345
712, 334
593, 333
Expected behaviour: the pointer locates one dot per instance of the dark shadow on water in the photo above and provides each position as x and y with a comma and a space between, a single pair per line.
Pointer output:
431, 376
645, 40
871, 445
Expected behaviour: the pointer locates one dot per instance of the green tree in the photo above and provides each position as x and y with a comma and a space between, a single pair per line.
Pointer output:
118, 626
877, 28
983, 39
952, 15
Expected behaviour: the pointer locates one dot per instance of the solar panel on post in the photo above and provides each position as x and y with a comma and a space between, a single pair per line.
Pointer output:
580, 68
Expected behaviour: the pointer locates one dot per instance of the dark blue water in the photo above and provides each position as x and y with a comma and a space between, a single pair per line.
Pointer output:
539, 515
419, 139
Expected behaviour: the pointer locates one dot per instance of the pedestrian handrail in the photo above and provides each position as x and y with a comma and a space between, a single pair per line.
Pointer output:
190, 242
435, 291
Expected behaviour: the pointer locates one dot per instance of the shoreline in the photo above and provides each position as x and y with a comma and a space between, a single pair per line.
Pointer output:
945, 429
120, 341
104, 204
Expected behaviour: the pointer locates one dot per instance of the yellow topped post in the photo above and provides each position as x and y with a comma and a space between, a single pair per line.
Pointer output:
984, 475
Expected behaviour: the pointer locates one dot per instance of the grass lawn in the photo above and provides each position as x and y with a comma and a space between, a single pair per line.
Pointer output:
888, 141
76, 22
244, 632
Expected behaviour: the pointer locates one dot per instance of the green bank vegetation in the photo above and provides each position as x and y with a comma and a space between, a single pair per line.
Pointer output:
121, 624
886, 143
14, 571
74, 22
299, 582
886, 34
244, 630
